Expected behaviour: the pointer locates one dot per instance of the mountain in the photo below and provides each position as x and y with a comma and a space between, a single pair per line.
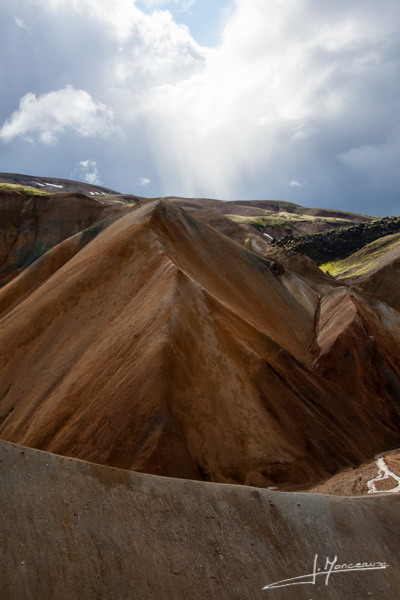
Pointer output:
137, 336
53, 185
31, 224
255, 223
187, 410
251, 223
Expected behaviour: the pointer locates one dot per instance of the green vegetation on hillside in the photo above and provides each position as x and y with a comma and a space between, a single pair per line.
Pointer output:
263, 222
283, 220
335, 244
24, 190
363, 261
269, 206
124, 199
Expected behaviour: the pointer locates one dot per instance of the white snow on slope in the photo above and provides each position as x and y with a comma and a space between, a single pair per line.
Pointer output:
383, 473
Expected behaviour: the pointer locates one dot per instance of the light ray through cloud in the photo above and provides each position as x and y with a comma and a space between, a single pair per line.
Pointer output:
289, 87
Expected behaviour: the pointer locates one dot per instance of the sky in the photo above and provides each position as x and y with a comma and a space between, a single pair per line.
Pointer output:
295, 100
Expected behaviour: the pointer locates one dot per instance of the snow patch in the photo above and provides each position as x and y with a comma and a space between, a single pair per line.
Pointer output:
37, 183
53, 185
383, 473
254, 246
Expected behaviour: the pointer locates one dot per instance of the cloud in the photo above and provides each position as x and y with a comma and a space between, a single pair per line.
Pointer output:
46, 117
181, 5
118, 55
292, 82
144, 181
123, 21
378, 164
21, 24
295, 183
87, 171
293, 86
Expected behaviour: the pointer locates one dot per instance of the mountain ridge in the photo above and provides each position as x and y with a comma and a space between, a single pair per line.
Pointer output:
253, 220
163, 334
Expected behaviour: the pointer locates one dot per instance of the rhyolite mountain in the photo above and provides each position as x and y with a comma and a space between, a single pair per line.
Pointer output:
137, 336
162, 365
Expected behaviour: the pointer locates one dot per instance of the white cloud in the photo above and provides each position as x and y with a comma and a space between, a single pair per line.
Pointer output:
46, 117
144, 181
142, 50
182, 5
291, 81
161, 52
21, 24
295, 183
124, 21
87, 171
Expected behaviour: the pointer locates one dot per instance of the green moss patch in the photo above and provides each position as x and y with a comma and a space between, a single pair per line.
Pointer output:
284, 220
24, 190
363, 261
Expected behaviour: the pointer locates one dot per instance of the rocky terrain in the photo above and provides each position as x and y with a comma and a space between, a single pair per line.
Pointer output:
381, 475
337, 244
160, 336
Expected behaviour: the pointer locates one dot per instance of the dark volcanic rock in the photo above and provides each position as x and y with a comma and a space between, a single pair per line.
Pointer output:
340, 243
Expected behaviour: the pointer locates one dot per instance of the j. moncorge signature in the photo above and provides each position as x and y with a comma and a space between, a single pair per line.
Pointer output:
330, 567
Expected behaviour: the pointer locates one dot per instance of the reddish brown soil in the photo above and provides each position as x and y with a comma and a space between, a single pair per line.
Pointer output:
162, 346
30, 226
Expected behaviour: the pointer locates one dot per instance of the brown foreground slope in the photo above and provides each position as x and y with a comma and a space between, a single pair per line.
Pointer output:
72, 529
162, 346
